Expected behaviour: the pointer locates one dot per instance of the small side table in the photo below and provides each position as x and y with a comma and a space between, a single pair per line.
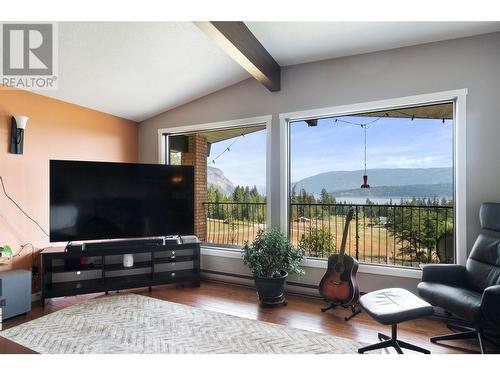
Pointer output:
15, 289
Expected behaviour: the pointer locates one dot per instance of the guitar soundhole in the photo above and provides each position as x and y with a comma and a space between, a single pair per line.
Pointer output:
339, 268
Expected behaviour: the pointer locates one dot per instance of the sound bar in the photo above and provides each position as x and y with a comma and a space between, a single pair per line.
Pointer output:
122, 244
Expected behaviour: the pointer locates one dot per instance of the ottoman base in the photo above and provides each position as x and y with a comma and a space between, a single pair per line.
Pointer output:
393, 341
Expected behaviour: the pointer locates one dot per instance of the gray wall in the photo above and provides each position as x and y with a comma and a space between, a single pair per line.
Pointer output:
472, 63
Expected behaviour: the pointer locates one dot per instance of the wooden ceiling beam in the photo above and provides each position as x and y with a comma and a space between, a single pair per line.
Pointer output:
238, 42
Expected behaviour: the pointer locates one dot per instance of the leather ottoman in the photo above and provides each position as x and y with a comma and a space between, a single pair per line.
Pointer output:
392, 306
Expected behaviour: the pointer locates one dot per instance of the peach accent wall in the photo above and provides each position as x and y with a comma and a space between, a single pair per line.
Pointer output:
55, 130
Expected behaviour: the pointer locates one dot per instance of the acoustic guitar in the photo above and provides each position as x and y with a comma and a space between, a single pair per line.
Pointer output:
339, 284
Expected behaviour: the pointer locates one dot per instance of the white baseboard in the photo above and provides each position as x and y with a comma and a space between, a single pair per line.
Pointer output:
242, 280
36, 296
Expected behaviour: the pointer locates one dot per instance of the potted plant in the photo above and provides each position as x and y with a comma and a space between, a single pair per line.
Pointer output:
5, 254
271, 257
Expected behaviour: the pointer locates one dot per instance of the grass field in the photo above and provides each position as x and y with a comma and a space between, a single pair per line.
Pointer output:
375, 243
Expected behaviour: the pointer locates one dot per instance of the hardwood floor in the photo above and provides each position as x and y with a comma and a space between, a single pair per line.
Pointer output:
301, 312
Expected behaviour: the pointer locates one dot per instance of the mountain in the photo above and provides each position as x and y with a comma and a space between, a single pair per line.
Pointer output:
409, 191
217, 180
388, 178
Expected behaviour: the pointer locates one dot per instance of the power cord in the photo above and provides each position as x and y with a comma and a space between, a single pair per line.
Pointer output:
21, 249
34, 268
20, 209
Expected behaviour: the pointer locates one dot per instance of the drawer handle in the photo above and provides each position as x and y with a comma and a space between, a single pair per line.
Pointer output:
172, 257
173, 252
172, 274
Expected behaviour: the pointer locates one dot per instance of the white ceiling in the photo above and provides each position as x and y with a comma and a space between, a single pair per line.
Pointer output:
293, 43
137, 70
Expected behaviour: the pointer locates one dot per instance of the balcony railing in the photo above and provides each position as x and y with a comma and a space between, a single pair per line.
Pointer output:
399, 235
231, 223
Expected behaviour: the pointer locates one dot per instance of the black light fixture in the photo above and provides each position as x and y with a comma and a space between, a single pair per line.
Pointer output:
312, 122
17, 126
365, 184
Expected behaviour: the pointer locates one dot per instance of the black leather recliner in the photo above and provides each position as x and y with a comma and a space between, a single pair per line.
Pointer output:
471, 292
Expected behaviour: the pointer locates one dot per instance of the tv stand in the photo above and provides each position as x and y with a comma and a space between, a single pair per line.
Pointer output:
123, 244
100, 268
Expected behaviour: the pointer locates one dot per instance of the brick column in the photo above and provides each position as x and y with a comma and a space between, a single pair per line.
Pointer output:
197, 156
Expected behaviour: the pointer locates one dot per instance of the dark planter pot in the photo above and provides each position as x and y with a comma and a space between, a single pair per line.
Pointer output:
271, 289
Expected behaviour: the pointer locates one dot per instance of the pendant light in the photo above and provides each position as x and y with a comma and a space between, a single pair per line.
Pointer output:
365, 184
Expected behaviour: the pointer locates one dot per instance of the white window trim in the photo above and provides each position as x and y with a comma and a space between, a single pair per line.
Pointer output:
458, 97
413, 273
237, 123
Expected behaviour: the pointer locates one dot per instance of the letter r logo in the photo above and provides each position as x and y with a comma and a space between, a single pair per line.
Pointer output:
27, 49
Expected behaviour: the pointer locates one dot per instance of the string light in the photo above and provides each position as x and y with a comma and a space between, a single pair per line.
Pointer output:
227, 149
413, 116
366, 125
359, 124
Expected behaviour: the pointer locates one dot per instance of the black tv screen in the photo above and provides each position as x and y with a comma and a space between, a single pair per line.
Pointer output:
96, 200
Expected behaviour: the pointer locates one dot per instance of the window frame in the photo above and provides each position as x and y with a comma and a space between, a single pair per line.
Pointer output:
163, 151
457, 97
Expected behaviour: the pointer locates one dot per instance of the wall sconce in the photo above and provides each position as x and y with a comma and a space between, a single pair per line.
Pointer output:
17, 126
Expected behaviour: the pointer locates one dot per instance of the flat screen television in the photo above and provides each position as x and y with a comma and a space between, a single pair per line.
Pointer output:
96, 200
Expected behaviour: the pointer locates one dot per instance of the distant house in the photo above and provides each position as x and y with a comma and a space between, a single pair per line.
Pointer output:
302, 219
382, 222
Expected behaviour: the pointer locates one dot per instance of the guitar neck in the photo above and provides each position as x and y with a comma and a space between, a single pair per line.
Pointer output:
344, 235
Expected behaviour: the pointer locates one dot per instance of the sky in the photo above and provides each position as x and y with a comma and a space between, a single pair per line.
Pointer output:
330, 146
245, 163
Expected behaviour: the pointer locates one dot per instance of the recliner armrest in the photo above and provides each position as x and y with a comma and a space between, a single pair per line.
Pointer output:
490, 303
450, 274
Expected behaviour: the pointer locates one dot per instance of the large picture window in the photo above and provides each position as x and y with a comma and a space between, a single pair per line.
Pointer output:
230, 174
394, 167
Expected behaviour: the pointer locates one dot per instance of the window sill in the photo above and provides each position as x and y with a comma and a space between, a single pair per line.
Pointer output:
374, 269
217, 251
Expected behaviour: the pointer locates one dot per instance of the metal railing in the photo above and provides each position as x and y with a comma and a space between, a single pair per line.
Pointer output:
234, 223
399, 235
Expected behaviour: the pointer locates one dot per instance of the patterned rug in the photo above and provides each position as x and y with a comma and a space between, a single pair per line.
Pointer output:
132, 323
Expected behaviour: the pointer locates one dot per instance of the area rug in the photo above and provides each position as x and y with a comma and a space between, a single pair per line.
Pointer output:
132, 323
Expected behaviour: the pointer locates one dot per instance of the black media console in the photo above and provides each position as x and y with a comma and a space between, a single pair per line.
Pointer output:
101, 269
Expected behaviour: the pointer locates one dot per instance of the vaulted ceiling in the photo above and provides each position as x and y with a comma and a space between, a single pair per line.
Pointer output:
136, 70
